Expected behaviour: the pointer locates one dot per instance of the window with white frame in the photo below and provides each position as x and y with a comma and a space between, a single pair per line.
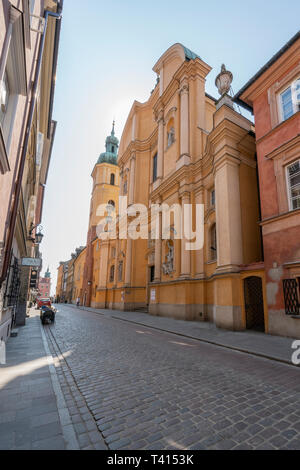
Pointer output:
293, 179
31, 6
13, 83
289, 100
4, 97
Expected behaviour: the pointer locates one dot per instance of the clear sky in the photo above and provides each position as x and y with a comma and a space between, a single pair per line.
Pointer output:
107, 52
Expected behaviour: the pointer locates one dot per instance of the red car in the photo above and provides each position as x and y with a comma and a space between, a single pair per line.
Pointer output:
43, 302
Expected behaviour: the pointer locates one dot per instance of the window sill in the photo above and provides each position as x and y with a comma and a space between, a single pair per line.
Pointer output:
211, 262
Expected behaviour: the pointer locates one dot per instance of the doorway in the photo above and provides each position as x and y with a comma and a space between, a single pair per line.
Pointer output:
254, 303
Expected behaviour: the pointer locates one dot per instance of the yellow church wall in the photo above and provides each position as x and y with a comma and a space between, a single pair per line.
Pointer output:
250, 214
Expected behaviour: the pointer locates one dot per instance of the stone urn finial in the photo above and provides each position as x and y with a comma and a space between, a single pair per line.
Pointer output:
224, 81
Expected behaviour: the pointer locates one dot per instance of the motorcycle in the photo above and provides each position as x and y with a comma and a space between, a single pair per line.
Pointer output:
47, 315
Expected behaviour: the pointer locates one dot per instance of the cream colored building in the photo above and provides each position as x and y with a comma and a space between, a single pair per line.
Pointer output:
28, 51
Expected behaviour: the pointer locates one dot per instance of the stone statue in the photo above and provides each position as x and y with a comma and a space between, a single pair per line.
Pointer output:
171, 136
168, 267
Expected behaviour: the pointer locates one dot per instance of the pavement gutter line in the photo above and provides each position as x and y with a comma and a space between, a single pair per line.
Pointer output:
76, 384
221, 345
64, 416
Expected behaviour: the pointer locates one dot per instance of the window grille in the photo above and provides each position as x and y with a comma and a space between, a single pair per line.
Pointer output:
291, 296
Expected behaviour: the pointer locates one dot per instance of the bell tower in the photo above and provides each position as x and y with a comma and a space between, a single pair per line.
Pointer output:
106, 188
106, 178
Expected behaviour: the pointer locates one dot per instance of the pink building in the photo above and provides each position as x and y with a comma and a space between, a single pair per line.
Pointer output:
45, 285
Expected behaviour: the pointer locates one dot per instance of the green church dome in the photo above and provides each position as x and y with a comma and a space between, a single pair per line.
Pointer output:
111, 145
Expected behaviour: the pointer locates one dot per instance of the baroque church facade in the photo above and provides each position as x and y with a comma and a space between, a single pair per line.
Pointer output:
181, 147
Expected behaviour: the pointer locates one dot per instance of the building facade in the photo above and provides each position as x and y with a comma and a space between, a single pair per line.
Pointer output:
78, 277
28, 51
274, 96
99, 262
180, 148
44, 287
200, 152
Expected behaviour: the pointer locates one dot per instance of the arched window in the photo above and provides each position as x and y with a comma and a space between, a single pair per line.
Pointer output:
112, 179
213, 242
113, 149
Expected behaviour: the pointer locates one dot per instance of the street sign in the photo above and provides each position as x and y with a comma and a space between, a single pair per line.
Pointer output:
32, 262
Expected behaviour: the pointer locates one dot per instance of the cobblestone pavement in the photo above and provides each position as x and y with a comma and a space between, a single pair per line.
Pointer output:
146, 389
29, 414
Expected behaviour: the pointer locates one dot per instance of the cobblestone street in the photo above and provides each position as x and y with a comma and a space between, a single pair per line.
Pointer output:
146, 389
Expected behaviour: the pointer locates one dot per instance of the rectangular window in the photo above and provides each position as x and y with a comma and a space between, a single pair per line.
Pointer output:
293, 178
154, 168
31, 6
290, 100
112, 274
120, 276
213, 198
152, 273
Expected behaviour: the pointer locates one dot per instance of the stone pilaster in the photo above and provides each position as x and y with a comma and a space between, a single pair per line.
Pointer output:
184, 119
160, 146
158, 247
199, 254
228, 215
128, 262
132, 180
185, 254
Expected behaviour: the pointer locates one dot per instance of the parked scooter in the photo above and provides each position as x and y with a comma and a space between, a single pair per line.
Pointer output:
47, 315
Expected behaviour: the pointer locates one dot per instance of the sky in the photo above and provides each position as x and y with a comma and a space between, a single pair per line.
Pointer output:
106, 55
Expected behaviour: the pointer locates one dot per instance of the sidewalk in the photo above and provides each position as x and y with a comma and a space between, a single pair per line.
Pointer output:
30, 402
276, 348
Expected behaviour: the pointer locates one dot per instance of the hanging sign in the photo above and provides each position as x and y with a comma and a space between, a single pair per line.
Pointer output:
32, 262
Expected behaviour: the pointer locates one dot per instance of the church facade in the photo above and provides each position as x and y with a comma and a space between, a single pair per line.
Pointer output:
181, 147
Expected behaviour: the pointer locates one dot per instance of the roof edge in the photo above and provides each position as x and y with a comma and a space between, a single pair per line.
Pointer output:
263, 69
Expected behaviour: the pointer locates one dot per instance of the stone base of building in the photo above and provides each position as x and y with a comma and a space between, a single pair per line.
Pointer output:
229, 317
122, 306
281, 324
179, 311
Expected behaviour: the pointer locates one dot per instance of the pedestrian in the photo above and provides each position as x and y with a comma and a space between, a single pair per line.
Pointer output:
78, 301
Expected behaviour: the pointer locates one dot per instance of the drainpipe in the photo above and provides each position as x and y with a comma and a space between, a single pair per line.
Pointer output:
14, 213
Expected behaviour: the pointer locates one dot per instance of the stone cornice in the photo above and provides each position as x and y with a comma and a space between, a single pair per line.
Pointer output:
278, 127
138, 146
287, 146
285, 215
